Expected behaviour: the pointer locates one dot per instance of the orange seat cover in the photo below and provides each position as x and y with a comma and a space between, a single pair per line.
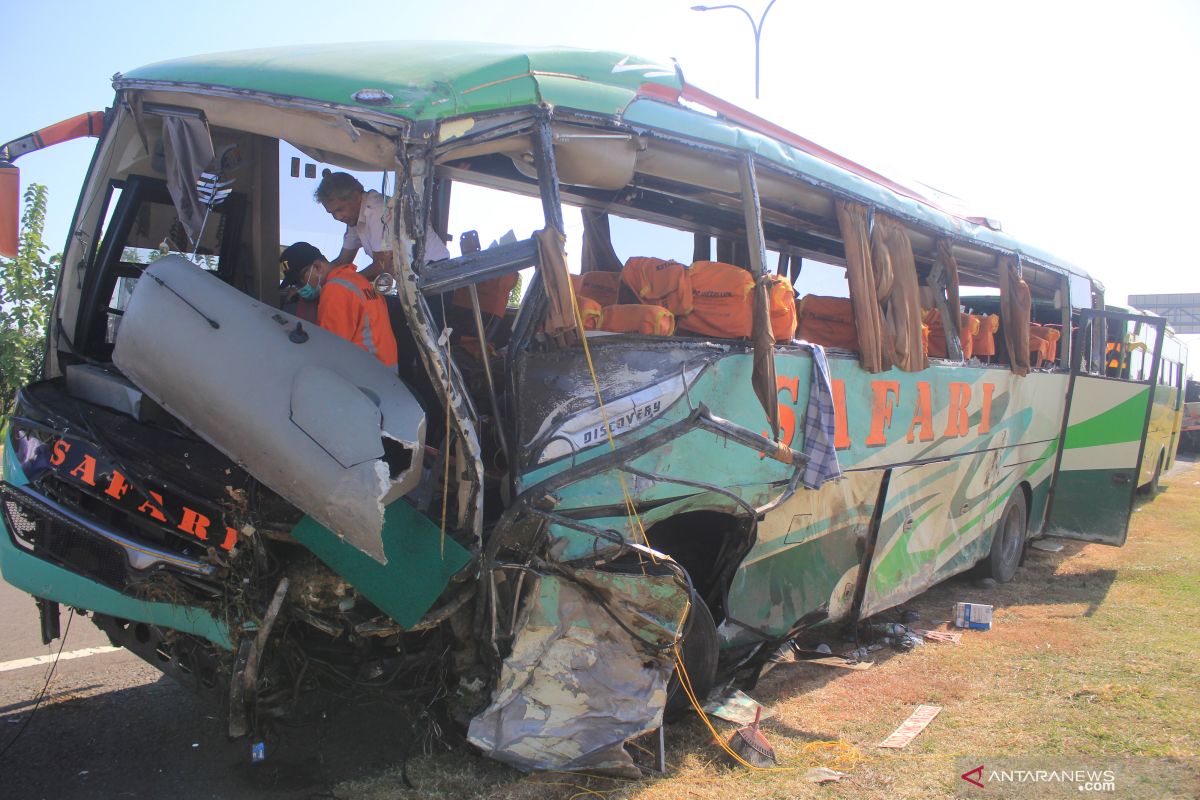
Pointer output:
985, 340
783, 308
493, 294
591, 312
722, 301
659, 282
645, 319
603, 287
828, 321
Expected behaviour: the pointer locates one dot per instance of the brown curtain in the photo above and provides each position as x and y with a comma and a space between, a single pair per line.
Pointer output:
852, 220
1015, 306
597, 254
899, 294
556, 278
945, 254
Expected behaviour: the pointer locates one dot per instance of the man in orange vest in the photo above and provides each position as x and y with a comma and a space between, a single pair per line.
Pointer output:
347, 303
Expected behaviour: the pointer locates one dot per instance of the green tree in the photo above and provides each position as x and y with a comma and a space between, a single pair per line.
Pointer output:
514, 297
26, 294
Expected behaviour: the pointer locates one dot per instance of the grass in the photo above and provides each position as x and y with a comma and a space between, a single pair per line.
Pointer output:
1092, 660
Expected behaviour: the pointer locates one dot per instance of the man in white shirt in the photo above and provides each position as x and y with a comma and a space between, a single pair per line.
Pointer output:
367, 223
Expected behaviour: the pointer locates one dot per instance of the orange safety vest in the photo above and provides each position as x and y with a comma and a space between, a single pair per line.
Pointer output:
351, 308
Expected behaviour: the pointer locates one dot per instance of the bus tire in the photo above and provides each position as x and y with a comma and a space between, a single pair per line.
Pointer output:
698, 648
1008, 543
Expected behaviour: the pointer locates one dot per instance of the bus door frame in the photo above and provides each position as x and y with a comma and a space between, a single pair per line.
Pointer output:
1072, 519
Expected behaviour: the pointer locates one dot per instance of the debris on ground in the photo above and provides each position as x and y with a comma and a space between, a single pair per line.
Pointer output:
986, 583
737, 707
852, 660
824, 775
976, 616
1046, 545
751, 745
940, 636
912, 726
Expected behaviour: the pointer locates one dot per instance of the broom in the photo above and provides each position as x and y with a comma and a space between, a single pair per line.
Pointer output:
749, 743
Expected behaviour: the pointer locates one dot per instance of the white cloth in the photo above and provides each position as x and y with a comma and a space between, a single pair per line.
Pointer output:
371, 231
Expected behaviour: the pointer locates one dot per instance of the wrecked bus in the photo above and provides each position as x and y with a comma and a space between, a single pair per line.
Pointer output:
799, 395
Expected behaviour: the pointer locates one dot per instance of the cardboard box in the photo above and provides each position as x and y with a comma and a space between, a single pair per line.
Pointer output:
975, 616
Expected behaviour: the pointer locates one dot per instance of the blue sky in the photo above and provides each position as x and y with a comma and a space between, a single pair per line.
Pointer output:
1074, 123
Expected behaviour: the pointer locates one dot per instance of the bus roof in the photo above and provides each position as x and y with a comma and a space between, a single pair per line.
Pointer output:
433, 81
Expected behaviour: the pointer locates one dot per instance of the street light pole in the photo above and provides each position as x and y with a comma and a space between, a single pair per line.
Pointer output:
757, 26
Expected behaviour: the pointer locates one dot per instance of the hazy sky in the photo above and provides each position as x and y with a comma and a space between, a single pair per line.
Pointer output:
1074, 123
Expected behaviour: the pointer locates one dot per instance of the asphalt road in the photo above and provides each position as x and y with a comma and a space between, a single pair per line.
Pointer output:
112, 726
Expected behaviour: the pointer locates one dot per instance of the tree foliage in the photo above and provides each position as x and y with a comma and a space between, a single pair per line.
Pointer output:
26, 294
514, 297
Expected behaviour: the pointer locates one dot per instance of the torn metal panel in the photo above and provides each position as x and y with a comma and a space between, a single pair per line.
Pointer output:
807, 557
434, 350
557, 388
304, 410
622, 415
588, 671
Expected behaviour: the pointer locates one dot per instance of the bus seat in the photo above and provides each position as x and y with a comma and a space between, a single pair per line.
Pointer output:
985, 340
1051, 333
934, 333
721, 297
1037, 345
657, 281
641, 318
603, 287
493, 295
969, 329
591, 312
783, 308
828, 321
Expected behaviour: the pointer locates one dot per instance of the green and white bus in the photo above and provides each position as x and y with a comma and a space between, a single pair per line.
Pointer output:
751, 388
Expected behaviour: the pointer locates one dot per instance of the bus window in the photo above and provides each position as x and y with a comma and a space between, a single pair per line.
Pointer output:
821, 279
632, 238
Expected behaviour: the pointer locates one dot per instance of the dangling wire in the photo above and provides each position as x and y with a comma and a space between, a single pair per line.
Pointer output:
636, 523
42, 694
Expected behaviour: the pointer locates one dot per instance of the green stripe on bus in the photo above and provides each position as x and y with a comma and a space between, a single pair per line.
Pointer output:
1121, 423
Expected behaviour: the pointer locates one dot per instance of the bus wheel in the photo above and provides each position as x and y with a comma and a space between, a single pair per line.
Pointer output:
1009, 540
698, 651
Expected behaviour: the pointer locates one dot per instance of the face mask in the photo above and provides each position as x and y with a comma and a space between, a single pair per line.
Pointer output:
310, 292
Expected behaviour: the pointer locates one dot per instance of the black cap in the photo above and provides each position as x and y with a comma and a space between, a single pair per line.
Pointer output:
296, 259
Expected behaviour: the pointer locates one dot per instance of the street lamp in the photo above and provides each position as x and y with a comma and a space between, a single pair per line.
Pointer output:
757, 26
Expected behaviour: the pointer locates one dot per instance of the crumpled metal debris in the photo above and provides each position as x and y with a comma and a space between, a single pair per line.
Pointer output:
319, 421
737, 707
588, 670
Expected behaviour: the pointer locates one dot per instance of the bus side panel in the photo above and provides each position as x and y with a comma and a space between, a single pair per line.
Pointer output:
927, 529
1162, 437
939, 517
807, 556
